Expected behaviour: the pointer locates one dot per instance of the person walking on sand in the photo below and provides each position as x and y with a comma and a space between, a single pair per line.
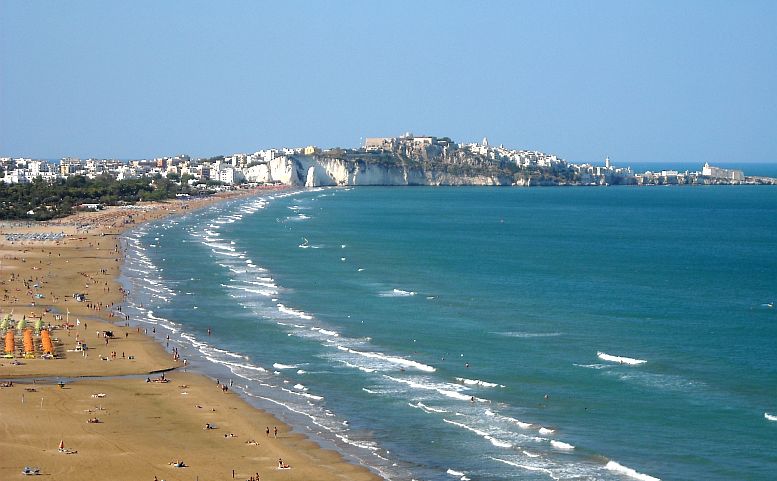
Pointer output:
275, 431
268, 431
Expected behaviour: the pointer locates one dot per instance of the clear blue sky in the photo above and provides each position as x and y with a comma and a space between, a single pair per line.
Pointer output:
640, 81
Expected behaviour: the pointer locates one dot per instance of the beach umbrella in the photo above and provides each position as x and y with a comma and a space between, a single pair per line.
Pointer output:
20, 325
4, 324
9, 342
38, 324
45, 340
29, 346
62, 444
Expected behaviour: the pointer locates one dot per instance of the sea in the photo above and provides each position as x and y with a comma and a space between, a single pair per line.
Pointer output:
481, 333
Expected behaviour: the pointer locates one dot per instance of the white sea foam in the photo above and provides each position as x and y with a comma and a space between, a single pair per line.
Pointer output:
561, 445
528, 335
441, 389
325, 331
262, 292
361, 368
218, 246
278, 365
359, 444
390, 359
770, 417
496, 442
478, 382
294, 312
546, 431
520, 424
619, 468
396, 293
239, 365
593, 366
457, 474
619, 359
426, 408
527, 467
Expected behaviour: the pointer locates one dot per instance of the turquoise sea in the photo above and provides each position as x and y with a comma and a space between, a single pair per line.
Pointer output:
609, 333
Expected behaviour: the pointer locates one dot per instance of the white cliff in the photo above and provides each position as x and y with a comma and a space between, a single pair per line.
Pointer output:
315, 171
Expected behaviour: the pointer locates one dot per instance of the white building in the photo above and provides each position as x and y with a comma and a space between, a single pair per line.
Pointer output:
719, 173
231, 176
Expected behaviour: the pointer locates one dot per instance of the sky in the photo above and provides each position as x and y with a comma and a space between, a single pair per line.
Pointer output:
638, 81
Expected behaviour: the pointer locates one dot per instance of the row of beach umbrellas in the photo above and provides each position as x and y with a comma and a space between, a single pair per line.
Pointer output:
47, 346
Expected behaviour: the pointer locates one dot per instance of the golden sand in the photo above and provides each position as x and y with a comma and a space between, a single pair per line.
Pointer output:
137, 428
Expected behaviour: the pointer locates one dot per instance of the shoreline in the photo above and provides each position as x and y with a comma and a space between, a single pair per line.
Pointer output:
142, 425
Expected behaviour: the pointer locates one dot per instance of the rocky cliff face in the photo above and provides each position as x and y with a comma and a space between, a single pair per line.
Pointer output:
313, 171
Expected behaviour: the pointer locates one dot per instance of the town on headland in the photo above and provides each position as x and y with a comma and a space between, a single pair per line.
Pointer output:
405, 160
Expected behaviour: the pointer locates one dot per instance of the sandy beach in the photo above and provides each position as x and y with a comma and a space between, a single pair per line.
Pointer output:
123, 408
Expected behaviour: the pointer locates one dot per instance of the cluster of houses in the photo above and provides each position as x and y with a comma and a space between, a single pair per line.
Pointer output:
242, 168
224, 169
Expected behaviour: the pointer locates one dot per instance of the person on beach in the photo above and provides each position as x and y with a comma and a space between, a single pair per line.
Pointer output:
268, 431
275, 431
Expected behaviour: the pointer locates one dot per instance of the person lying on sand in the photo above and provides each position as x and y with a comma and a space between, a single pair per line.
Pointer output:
282, 465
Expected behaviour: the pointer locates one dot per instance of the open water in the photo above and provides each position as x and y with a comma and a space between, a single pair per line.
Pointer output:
487, 333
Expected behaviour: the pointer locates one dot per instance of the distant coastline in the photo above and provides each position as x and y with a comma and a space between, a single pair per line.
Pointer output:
407, 160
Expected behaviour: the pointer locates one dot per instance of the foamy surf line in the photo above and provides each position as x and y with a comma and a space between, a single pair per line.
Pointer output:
478, 382
527, 467
619, 468
390, 359
397, 293
458, 474
619, 359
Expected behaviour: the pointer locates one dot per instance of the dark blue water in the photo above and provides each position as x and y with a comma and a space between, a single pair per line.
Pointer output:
488, 333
